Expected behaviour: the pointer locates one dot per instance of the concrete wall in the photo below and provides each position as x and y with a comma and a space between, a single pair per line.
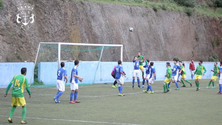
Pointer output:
87, 70
9, 70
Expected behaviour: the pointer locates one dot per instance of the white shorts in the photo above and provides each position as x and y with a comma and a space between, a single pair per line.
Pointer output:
151, 80
174, 78
191, 72
120, 81
60, 85
74, 86
220, 81
136, 73
147, 76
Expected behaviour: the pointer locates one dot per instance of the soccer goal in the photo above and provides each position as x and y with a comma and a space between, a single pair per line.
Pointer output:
93, 58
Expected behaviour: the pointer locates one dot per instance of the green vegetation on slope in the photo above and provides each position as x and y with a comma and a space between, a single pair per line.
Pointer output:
211, 9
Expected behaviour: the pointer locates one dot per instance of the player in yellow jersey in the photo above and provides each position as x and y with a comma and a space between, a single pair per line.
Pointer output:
199, 72
19, 83
168, 79
215, 75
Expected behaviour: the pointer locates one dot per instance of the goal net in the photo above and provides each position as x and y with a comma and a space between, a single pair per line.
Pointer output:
93, 58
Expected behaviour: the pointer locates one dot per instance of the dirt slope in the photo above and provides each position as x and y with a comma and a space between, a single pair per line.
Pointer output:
160, 35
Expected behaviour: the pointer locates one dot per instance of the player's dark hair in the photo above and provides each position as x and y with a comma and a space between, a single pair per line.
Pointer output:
23, 70
119, 62
180, 61
62, 64
168, 64
201, 61
175, 60
147, 60
76, 62
220, 62
151, 63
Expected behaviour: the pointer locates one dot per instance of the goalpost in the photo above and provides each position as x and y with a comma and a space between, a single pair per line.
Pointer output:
87, 54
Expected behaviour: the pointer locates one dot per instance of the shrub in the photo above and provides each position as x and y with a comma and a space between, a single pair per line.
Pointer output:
215, 42
155, 7
1, 4
188, 11
213, 58
186, 3
163, 6
218, 3
138, 1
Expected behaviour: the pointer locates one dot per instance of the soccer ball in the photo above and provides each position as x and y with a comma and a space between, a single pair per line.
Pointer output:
131, 29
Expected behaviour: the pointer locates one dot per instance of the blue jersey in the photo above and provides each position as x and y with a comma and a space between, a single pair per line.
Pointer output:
74, 72
220, 72
175, 70
61, 72
136, 65
148, 69
152, 71
117, 71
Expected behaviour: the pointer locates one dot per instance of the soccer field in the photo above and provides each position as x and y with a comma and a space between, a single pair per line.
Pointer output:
101, 105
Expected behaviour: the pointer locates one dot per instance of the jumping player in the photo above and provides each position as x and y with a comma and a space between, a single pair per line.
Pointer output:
215, 76
141, 58
19, 83
61, 74
199, 72
74, 83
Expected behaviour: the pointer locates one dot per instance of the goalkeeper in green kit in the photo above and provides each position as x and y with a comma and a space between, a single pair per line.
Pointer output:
19, 83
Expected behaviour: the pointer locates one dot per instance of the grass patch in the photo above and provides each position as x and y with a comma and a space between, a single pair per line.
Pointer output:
1, 4
168, 5
100, 105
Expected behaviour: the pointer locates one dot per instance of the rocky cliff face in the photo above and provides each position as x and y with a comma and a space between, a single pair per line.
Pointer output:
160, 35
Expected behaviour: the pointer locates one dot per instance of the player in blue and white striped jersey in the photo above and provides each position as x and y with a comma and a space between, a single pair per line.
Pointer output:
175, 73
136, 71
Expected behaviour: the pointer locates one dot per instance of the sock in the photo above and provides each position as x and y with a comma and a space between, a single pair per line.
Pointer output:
147, 88
75, 96
143, 81
183, 83
198, 84
147, 81
138, 80
169, 84
121, 89
220, 88
58, 95
209, 84
133, 82
143, 75
188, 81
177, 84
12, 111
191, 76
71, 96
213, 84
23, 113
151, 89
164, 87
167, 87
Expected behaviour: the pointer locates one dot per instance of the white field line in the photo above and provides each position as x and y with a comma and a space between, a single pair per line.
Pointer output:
110, 95
68, 120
